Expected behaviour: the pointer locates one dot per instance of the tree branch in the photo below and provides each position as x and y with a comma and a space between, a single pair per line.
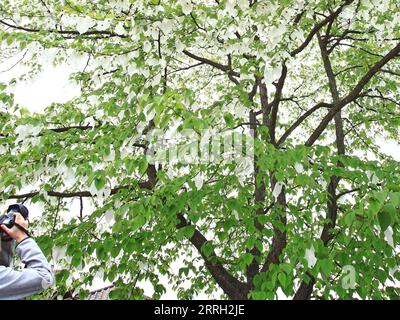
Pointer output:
232, 287
84, 194
259, 198
301, 119
64, 129
65, 32
279, 240
214, 64
319, 26
353, 95
275, 104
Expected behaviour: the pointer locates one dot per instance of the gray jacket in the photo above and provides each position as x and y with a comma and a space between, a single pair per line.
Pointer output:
36, 276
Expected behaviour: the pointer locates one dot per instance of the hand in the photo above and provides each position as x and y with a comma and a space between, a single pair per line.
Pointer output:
15, 233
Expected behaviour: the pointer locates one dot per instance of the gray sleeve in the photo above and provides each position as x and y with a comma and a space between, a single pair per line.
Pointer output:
35, 277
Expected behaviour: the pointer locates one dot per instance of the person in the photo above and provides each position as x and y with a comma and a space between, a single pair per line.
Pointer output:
35, 277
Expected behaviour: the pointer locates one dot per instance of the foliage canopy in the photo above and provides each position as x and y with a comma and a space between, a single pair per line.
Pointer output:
316, 82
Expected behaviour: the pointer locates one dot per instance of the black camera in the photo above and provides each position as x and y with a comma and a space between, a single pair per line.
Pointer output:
8, 219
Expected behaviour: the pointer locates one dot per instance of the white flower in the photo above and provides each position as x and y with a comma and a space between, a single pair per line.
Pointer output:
372, 176
132, 69
84, 24
106, 191
277, 32
3, 149
69, 177
99, 113
392, 271
59, 253
93, 190
187, 7
156, 79
347, 13
152, 62
124, 152
230, 8
76, 60
299, 168
109, 217
198, 181
103, 25
143, 266
310, 257
298, 35
277, 190
179, 46
323, 183
167, 26
389, 236
170, 172
27, 130
243, 4
110, 157
145, 72
146, 46
119, 28
117, 203
212, 22
149, 112
140, 127
272, 74
90, 122
374, 179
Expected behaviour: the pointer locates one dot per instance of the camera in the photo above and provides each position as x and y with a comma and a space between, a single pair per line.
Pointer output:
8, 219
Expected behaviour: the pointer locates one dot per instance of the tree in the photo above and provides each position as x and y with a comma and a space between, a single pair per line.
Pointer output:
315, 82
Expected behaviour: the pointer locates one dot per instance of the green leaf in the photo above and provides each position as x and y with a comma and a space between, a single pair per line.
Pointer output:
282, 279
100, 253
385, 219
390, 209
395, 198
100, 182
326, 266
229, 119
108, 245
247, 258
143, 164
349, 218
379, 196
374, 206
207, 248
117, 294
185, 232
138, 222
76, 259
184, 271
287, 268
259, 295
